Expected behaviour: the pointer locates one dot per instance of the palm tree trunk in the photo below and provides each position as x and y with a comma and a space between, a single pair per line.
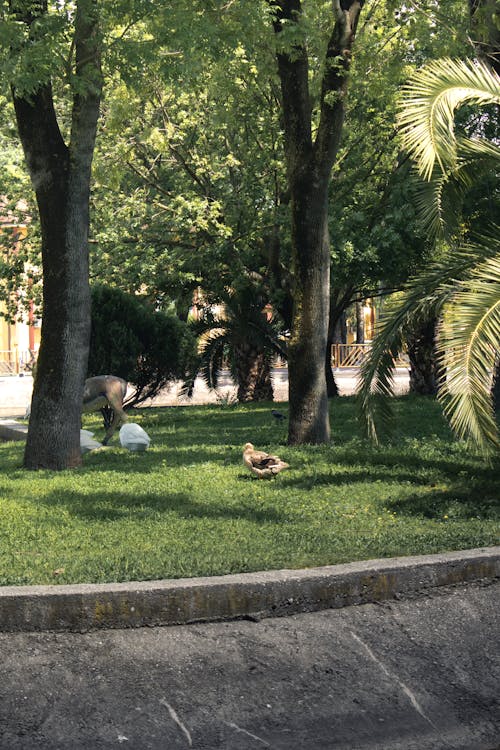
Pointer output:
264, 386
421, 352
252, 372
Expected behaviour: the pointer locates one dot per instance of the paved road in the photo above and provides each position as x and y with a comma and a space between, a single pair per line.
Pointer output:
15, 391
414, 674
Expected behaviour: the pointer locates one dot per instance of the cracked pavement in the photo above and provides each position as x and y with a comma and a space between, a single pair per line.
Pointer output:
420, 673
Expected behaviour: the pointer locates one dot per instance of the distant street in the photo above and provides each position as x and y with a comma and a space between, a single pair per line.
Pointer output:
415, 674
15, 391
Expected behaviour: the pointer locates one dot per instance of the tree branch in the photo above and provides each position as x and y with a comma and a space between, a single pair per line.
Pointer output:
39, 130
88, 84
293, 67
334, 83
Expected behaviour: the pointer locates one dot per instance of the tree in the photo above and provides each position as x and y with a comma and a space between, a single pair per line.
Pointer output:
485, 24
19, 256
146, 347
463, 287
376, 235
309, 163
243, 335
60, 174
193, 170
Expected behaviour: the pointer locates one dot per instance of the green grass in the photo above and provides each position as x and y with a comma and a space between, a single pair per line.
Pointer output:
188, 506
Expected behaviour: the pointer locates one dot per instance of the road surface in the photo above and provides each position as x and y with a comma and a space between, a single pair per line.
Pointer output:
15, 391
421, 673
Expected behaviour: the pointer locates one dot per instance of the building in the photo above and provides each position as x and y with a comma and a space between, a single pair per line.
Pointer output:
19, 339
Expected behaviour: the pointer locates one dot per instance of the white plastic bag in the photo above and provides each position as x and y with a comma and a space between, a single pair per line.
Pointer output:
133, 437
87, 442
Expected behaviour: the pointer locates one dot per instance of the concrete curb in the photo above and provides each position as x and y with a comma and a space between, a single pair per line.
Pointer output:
10, 429
251, 595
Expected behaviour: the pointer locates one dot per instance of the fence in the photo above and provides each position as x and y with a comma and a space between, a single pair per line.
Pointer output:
353, 355
15, 361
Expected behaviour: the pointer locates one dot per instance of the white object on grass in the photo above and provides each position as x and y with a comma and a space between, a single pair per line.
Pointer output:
87, 442
133, 437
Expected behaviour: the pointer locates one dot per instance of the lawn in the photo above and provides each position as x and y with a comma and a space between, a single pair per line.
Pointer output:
188, 506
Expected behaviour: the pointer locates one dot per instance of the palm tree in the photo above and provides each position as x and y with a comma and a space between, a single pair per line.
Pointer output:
243, 336
462, 288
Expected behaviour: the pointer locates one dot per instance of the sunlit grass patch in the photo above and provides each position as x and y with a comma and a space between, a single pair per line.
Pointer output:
188, 506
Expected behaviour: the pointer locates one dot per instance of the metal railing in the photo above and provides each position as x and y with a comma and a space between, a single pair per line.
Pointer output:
353, 355
15, 361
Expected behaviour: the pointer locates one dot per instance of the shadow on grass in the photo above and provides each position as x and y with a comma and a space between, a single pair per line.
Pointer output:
410, 465
207, 425
479, 501
158, 455
455, 503
470, 491
117, 506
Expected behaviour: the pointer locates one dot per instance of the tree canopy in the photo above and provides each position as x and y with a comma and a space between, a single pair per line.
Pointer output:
237, 141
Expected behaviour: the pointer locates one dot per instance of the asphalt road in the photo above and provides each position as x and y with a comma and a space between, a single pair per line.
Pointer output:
15, 392
414, 674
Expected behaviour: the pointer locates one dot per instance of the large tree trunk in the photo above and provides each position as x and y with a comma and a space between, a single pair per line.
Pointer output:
61, 178
308, 420
309, 165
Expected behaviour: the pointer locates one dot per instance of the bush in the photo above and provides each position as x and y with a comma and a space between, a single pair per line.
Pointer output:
147, 348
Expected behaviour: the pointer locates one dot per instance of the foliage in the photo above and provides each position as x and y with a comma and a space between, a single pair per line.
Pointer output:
190, 184
469, 339
188, 507
464, 286
189, 164
427, 117
19, 261
148, 348
377, 237
240, 334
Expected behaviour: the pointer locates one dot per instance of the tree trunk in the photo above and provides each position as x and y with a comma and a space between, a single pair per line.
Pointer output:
264, 387
332, 389
252, 372
333, 315
308, 415
61, 178
309, 165
421, 352
360, 323
340, 330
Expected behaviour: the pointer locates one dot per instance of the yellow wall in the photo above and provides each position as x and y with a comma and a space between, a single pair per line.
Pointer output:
14, 337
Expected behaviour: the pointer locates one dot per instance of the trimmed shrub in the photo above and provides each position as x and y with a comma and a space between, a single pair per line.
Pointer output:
148, 348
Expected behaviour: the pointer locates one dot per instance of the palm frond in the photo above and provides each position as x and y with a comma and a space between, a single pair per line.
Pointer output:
212, 357
469, 337
241, 321
422, 299
437, 199
429, 102
464, 286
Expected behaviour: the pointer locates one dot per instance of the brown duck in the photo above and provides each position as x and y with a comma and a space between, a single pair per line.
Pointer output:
262, 464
